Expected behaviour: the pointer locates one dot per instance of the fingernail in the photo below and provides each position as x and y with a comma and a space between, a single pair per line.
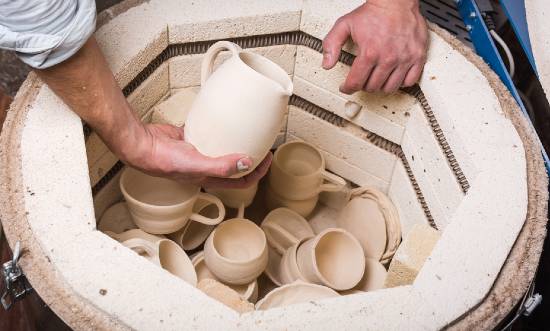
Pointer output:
242, 165
327, 57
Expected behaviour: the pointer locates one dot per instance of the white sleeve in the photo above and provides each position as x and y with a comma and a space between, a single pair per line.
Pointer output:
44, 33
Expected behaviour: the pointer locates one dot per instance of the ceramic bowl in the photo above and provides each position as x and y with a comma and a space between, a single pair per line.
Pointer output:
297, 292
134, 233
116, 219
236, 251
284, 227
247, 292
333, 258
273, 268
374, 277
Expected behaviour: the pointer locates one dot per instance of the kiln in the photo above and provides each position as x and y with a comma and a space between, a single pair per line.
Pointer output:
453, 152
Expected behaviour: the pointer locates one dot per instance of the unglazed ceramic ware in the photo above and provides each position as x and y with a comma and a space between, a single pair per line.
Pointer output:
236, 251
367, 205
298, 172
363, 218
241, 105
273, 268
333, 258
297, 292
116, 219
289, 270
247, 292
322, 218
236, 198
302, 207
284, 227
193, 234
166, 254
161, 206
374, 277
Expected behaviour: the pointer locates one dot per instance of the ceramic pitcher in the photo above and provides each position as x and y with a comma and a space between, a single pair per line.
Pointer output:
241, 105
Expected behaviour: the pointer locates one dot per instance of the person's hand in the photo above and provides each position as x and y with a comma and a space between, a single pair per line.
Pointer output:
161, 151
392, 41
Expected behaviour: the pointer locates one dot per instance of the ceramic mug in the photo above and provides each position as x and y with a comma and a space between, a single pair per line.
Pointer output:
236, 251
242, 104
160, 206
247, 292
302, 207
298, 172
284, 227
193, 234
166, 254
297, 292
333, 258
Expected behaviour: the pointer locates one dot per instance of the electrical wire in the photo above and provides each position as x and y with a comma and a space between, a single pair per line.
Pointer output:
511, 63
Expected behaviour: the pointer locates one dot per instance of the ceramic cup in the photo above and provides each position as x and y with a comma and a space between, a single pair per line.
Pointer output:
247, 292
284, 227
294, 293
302, 207
236, 251
193, 234
333, 258
273, 268
166, 254
236, 198
116, 219
289, 271
160, 206
298, 172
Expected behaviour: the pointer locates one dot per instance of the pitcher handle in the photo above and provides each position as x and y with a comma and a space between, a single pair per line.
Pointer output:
212, 53
207, 220
335, 183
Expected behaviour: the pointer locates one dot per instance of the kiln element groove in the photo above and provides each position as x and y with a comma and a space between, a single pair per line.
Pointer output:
416, 91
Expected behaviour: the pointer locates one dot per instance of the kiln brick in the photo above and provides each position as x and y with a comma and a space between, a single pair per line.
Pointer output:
174, 109
225, 295
392, 107
150, 91
411, 255
402, 194
366, 118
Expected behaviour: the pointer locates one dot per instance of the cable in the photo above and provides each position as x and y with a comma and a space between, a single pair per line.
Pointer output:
512, 65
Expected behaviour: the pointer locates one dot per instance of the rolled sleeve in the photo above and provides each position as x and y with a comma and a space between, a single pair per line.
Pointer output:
44, 33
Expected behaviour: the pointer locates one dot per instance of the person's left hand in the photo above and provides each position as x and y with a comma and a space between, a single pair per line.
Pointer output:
392, 41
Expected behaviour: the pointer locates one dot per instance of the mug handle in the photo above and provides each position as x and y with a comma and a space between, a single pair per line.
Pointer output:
212, 53
140, 245
335, 183
206, 220
282, 231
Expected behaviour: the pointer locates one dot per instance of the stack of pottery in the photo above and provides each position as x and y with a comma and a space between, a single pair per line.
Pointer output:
239, 110
297, 176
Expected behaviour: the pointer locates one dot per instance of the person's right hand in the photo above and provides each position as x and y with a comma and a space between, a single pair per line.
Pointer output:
161, 151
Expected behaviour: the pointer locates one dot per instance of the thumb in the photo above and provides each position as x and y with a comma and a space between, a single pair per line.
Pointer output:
333, 42
224, 166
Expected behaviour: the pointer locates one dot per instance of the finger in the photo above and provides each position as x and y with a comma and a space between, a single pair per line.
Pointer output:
333, 42
243, 182
395, 80
413, 76
358, 75
378, 77
223, 166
